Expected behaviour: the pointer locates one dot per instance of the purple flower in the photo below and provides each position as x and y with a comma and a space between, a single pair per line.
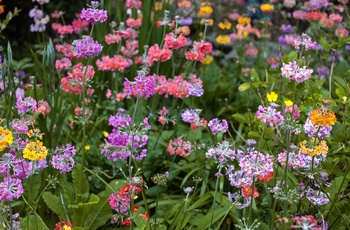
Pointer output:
319, 3
285, 28
305, 41
93, 15
10, 189
186, 21
63, 159
36, 13
215, 126
195, 90
120, 119
190, 115
87, 47
145, 86
311, 129
26, 104
269, 116
21, 125
293, 72
317, 198
222, 153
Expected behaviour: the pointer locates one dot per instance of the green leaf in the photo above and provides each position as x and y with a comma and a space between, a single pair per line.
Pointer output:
244, 87
324, 43
33, 222
54, 203
218, 214
239, 117
253, 134
81, 185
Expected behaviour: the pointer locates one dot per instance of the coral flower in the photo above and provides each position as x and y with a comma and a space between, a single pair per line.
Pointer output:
322, 116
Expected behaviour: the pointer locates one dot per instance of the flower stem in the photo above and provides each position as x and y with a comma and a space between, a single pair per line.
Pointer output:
216, 189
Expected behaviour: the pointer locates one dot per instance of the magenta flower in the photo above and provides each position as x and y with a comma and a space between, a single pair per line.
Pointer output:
216, 126
93, 15
269, 116
87, 47
26, 104
10, 189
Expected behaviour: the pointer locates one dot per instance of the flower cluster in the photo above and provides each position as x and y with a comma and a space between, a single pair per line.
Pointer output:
120, 202
142, 86
216, 126
222, 154
192, 116
305, 222
35, 150
77, 79
306, 42
293, 72
322, 117
198, 51
173, 42
125, 138
317, 198
87, 47
40, 20
269, 115
317, 147
63, 159
6, 138
179, 147
313, 130
26, 104
112, 63
92, 14
156, 54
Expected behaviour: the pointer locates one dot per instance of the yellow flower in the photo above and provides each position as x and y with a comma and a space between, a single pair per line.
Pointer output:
211, 21
272, 97
223, 39
317, 148
288, 102
35, 151
105, 134
226, 25
268, 8
205, 11
242, 33
207, 59
87, 147
243, 20
65, 227
6, 138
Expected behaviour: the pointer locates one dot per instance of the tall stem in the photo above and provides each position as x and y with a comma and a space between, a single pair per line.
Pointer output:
216, 190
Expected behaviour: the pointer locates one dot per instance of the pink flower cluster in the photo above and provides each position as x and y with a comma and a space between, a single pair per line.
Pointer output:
67, 50
76, 27
63, 63
173, 42
179, 147
305, 222
77, 78
198, 51
112, 63
156, 54
293, 72
269, 115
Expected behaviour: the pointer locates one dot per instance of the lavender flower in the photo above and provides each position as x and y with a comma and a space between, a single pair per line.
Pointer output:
10, 189
285, 28
190, 115
120, 119
293, 72
87, 47
215, 126
93, 15
195, 90
186, 21
306, 42
26, 104
63, 159
269, 116
222, 153
317, 198
312, 130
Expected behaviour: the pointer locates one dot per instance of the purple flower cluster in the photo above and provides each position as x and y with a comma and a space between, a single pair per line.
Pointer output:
222, 153
216, 126
293, 72
286, 28
144, 86
195, 90
299, 160
87, 47
120, 202
317, 4
40, 20
305, 41
92, 14
26, 104
312, 130
317, 198
323, 71
21, 125
10, 189
120, 119
190, 115
63, 159
123, 140
269, 115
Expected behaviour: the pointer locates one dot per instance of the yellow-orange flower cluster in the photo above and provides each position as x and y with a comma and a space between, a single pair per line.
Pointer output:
323, 116
223, 39
243, 20
321, 148
267, 8
205, 11
6, 138
35, 151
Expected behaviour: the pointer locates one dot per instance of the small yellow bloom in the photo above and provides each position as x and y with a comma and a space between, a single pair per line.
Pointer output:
205, 11
6, 138
268, 8
158, 6
87, 147
105, 134
30, 133
288, 102
243, 20
226, 25
65, 227
272, 97
207, 59
242, 33
211, 21
35, 151
223, 39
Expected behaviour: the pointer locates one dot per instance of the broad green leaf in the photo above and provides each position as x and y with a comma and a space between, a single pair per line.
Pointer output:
324, 43
81, 185
33, 222
240, 117
218, 214
55, 204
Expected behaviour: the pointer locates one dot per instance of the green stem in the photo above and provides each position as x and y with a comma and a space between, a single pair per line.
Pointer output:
330, 80
213, 207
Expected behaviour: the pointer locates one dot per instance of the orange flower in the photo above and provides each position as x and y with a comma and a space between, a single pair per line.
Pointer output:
317, 149
322, 116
